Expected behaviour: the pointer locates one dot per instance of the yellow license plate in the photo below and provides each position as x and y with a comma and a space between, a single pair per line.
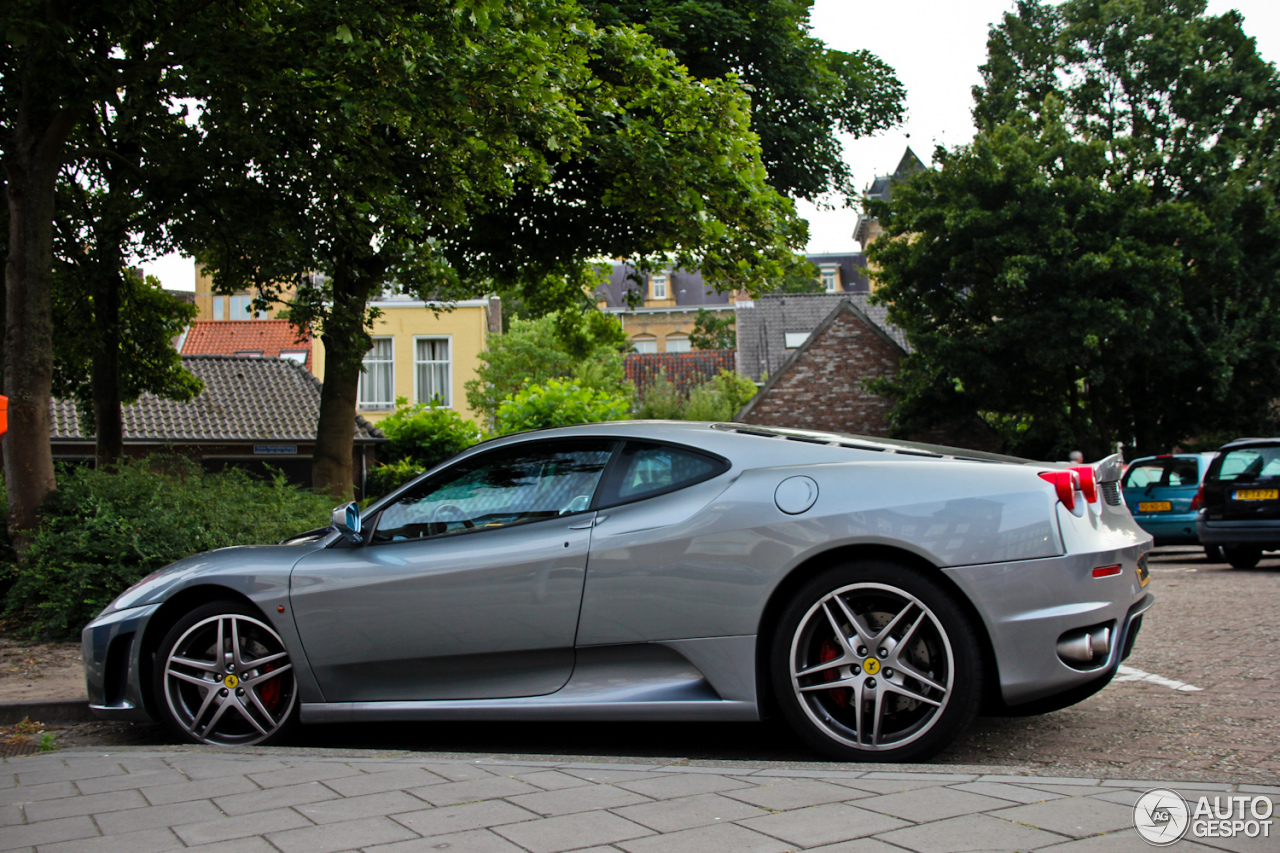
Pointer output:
1257, 494
1155, 506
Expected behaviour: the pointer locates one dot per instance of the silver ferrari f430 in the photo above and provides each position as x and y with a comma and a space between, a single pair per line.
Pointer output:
877, 594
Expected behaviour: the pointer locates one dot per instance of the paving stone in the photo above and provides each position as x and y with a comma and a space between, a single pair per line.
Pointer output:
62, 773
474, 841
948, 778
792, 794
829, 775
143, 841
397, 779
1073, 816
47, 832
1005, 791
239, 845
931, 804
174, 814
896, 786
724, 838
604, 774
572, 800
131, 780
218, 786
1259, 789
1119, 842
1240, 844
453, 819
458, 771
568, 832
684, 785
680, 813
858, 845
194, 767
351, 808
228, 828
261, 801
340, 836
824, 824
969, 833
1067, 790
309, 772
552, 780
11, 815
490, 788
36, 793
92, 804
1040, 780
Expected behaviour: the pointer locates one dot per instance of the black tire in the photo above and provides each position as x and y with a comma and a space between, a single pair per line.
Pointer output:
1242, 557
243, 696
1213, 553
922, 706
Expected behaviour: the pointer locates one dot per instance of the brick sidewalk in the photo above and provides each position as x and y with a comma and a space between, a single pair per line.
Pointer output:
187, 799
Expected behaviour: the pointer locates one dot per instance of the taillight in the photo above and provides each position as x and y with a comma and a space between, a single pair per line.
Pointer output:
1088, 482
1197, 503
1065, 483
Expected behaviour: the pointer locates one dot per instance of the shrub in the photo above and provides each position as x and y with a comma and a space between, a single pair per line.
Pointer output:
102, 531
720, 398
557, 403
661, 400
386, 478
422, 436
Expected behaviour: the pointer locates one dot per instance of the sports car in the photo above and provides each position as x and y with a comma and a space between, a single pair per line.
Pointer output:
877, 594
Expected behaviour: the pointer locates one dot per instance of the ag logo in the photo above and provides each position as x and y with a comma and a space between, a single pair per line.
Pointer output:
1161, 816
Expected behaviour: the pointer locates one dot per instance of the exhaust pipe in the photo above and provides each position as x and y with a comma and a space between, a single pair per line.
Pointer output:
1100, 639
1077, 647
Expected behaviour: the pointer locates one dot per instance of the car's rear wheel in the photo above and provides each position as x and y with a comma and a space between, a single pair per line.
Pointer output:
876, 661
1242, 558
223, 677
1213, 553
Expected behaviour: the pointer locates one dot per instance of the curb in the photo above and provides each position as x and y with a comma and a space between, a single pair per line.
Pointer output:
60, 711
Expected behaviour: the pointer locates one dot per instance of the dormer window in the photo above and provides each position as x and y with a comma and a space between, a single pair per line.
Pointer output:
658, 286
830, 278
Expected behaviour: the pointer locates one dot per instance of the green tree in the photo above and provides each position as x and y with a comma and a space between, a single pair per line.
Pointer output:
556, 403
713, 330
1102, 262
720, 398
584, 347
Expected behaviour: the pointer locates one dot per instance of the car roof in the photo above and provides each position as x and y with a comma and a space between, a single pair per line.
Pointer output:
1249, 442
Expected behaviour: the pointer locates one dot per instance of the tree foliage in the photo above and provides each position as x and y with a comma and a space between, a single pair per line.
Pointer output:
421, 436
558, 403
713, 330
1102, 262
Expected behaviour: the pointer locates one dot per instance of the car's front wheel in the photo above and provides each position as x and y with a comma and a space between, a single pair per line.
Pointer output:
223, 677
877, 662
1242, 557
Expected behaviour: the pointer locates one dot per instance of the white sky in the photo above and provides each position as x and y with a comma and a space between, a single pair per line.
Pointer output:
936, 47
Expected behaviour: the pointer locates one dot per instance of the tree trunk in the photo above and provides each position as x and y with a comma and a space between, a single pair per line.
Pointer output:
345, 343
108, 413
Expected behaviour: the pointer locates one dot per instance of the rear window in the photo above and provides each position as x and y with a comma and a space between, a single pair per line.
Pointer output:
1163, 472
646, 469
1249, 463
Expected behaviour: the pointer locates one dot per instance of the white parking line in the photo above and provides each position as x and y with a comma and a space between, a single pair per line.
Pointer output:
1128, 673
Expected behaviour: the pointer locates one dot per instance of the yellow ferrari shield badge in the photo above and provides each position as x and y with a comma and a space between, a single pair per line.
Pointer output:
871, 666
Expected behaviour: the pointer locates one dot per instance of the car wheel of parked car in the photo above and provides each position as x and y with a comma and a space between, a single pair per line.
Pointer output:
223, 677
1213, 553
877, 662
1242, 558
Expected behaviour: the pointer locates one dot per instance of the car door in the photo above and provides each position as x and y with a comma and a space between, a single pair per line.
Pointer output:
468, 586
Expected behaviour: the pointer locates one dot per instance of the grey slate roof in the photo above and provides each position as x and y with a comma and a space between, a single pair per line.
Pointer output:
244, 399
762, 329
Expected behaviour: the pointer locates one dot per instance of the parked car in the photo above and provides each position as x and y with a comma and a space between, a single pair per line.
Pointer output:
1241, 497
1163, 494
876, 592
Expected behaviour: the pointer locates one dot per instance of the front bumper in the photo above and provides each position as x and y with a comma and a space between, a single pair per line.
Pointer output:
111, 663
1027, 606
1260, 534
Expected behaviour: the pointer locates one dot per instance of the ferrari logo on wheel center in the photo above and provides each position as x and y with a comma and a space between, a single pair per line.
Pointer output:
871, 666
231, 681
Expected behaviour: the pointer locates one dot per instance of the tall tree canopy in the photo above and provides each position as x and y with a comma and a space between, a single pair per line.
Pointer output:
1102, 263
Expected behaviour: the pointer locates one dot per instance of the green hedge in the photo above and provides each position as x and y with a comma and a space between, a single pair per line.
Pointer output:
102, 531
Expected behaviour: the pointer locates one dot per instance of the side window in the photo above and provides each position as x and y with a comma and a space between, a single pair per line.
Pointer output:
645, 469
1183, 472
498, 489
1141, 476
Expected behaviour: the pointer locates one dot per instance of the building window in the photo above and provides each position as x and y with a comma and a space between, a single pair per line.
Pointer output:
645, 345
431, 370
377, 376
219, 308
830, 278
249, 353
298, 355
658, 285
678, 343
242, 308
796, 339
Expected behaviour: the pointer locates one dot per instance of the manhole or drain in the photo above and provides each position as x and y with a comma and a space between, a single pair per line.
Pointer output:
9, 750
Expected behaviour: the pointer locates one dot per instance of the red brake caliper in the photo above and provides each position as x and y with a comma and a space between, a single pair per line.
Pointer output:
827, 652
270, 691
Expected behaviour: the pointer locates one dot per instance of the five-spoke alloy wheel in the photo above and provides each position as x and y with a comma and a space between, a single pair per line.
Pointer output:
875, 662
223, 677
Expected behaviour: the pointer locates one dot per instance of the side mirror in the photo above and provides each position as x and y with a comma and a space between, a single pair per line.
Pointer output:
346, 520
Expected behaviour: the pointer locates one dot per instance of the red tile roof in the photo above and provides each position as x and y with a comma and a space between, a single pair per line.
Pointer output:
229, 337
683, 369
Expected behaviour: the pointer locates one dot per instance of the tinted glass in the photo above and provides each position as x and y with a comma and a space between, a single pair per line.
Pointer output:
1163, 472
498, 489
1183, 472
648, 469
1143, 475
1249, 463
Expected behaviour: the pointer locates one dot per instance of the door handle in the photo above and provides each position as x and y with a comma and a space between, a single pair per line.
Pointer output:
587, 525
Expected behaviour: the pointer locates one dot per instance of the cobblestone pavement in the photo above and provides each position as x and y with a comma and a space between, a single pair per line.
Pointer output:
280, 801
1212, 627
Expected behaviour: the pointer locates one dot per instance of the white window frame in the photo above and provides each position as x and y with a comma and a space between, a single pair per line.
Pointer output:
448, 376
830, 278
651, 345
298, 355
679, 338
659, 280
795, 340
379, 405
247, 313
219, 308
